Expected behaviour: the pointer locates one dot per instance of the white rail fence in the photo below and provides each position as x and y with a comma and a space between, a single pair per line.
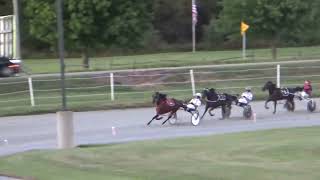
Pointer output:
33, 91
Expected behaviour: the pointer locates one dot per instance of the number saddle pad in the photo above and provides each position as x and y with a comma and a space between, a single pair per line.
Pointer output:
221, 97
170, 102
285, 92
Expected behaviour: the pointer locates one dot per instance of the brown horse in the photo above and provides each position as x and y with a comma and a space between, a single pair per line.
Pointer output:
165, 105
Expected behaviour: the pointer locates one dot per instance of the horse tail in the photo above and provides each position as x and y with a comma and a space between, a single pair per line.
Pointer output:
235, 99
232, 98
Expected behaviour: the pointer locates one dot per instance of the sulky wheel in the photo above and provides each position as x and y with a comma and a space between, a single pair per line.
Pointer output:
227, 113
311, 106
247, 112
289, 106
195, 118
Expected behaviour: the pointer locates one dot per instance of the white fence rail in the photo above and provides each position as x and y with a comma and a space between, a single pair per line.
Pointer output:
114, 87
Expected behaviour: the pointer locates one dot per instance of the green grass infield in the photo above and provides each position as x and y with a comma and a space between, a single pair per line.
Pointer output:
286, 154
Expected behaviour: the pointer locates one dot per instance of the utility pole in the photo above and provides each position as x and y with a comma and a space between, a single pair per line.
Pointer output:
61, 52
65, 129
244, 45
16, 12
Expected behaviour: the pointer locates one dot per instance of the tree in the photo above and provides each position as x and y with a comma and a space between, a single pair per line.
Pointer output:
173, 18
6, 7
91, 23
269, 19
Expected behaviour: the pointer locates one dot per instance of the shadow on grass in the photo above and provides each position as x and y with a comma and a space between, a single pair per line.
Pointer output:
97, 145
13, 177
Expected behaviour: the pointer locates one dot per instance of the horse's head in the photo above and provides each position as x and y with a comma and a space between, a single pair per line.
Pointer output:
205, 92
157, 97
209, 93
212, 90
268, 86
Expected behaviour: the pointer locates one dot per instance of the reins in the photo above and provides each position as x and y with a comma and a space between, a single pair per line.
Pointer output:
211, 100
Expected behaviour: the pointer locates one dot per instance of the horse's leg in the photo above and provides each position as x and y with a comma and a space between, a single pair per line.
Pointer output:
175, 115
293, 105
275, 107
210, 111
159, 117
223, 109
168, 118
207, 107
229, 107
154, 117
266, 103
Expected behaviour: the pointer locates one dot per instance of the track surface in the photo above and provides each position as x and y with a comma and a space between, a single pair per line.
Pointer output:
25, 133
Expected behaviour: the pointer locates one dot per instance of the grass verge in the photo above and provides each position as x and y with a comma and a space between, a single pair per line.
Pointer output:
286, 154
36, 66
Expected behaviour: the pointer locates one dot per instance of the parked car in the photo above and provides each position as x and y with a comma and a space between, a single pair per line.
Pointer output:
9, 67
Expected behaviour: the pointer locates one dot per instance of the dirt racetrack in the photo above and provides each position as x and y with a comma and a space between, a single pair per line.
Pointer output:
22, 133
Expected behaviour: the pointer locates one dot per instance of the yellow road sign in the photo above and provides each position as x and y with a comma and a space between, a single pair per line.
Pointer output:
244, 27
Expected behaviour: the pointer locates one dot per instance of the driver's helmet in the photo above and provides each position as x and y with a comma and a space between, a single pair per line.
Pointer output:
198, 95
248, 89
307, 82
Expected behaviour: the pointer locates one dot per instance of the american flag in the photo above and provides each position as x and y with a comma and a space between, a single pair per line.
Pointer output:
194, 14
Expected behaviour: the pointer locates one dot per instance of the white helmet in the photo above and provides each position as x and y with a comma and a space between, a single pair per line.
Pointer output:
248, 88
198, 95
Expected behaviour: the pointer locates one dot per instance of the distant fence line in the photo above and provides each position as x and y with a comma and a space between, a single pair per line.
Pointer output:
189, 83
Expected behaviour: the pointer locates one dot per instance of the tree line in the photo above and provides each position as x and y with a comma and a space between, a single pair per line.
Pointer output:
155, 25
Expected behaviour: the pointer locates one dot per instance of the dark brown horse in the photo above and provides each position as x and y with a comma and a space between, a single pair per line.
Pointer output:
165, 105
215, 100
276, 94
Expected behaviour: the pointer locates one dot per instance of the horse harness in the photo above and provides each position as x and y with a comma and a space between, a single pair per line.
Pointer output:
285, 92
221, 97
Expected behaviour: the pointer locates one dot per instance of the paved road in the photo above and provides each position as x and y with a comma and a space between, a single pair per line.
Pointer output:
39, 131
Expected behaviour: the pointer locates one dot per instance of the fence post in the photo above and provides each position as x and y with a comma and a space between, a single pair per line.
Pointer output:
31, 91
278, 76
192, 82
112, 86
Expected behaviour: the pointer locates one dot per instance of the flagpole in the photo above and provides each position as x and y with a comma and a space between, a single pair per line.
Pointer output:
243, 29
244, 39
193, 30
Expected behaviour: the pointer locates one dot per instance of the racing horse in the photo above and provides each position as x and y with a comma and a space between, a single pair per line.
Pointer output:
214, 100
165, 105
276, 94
